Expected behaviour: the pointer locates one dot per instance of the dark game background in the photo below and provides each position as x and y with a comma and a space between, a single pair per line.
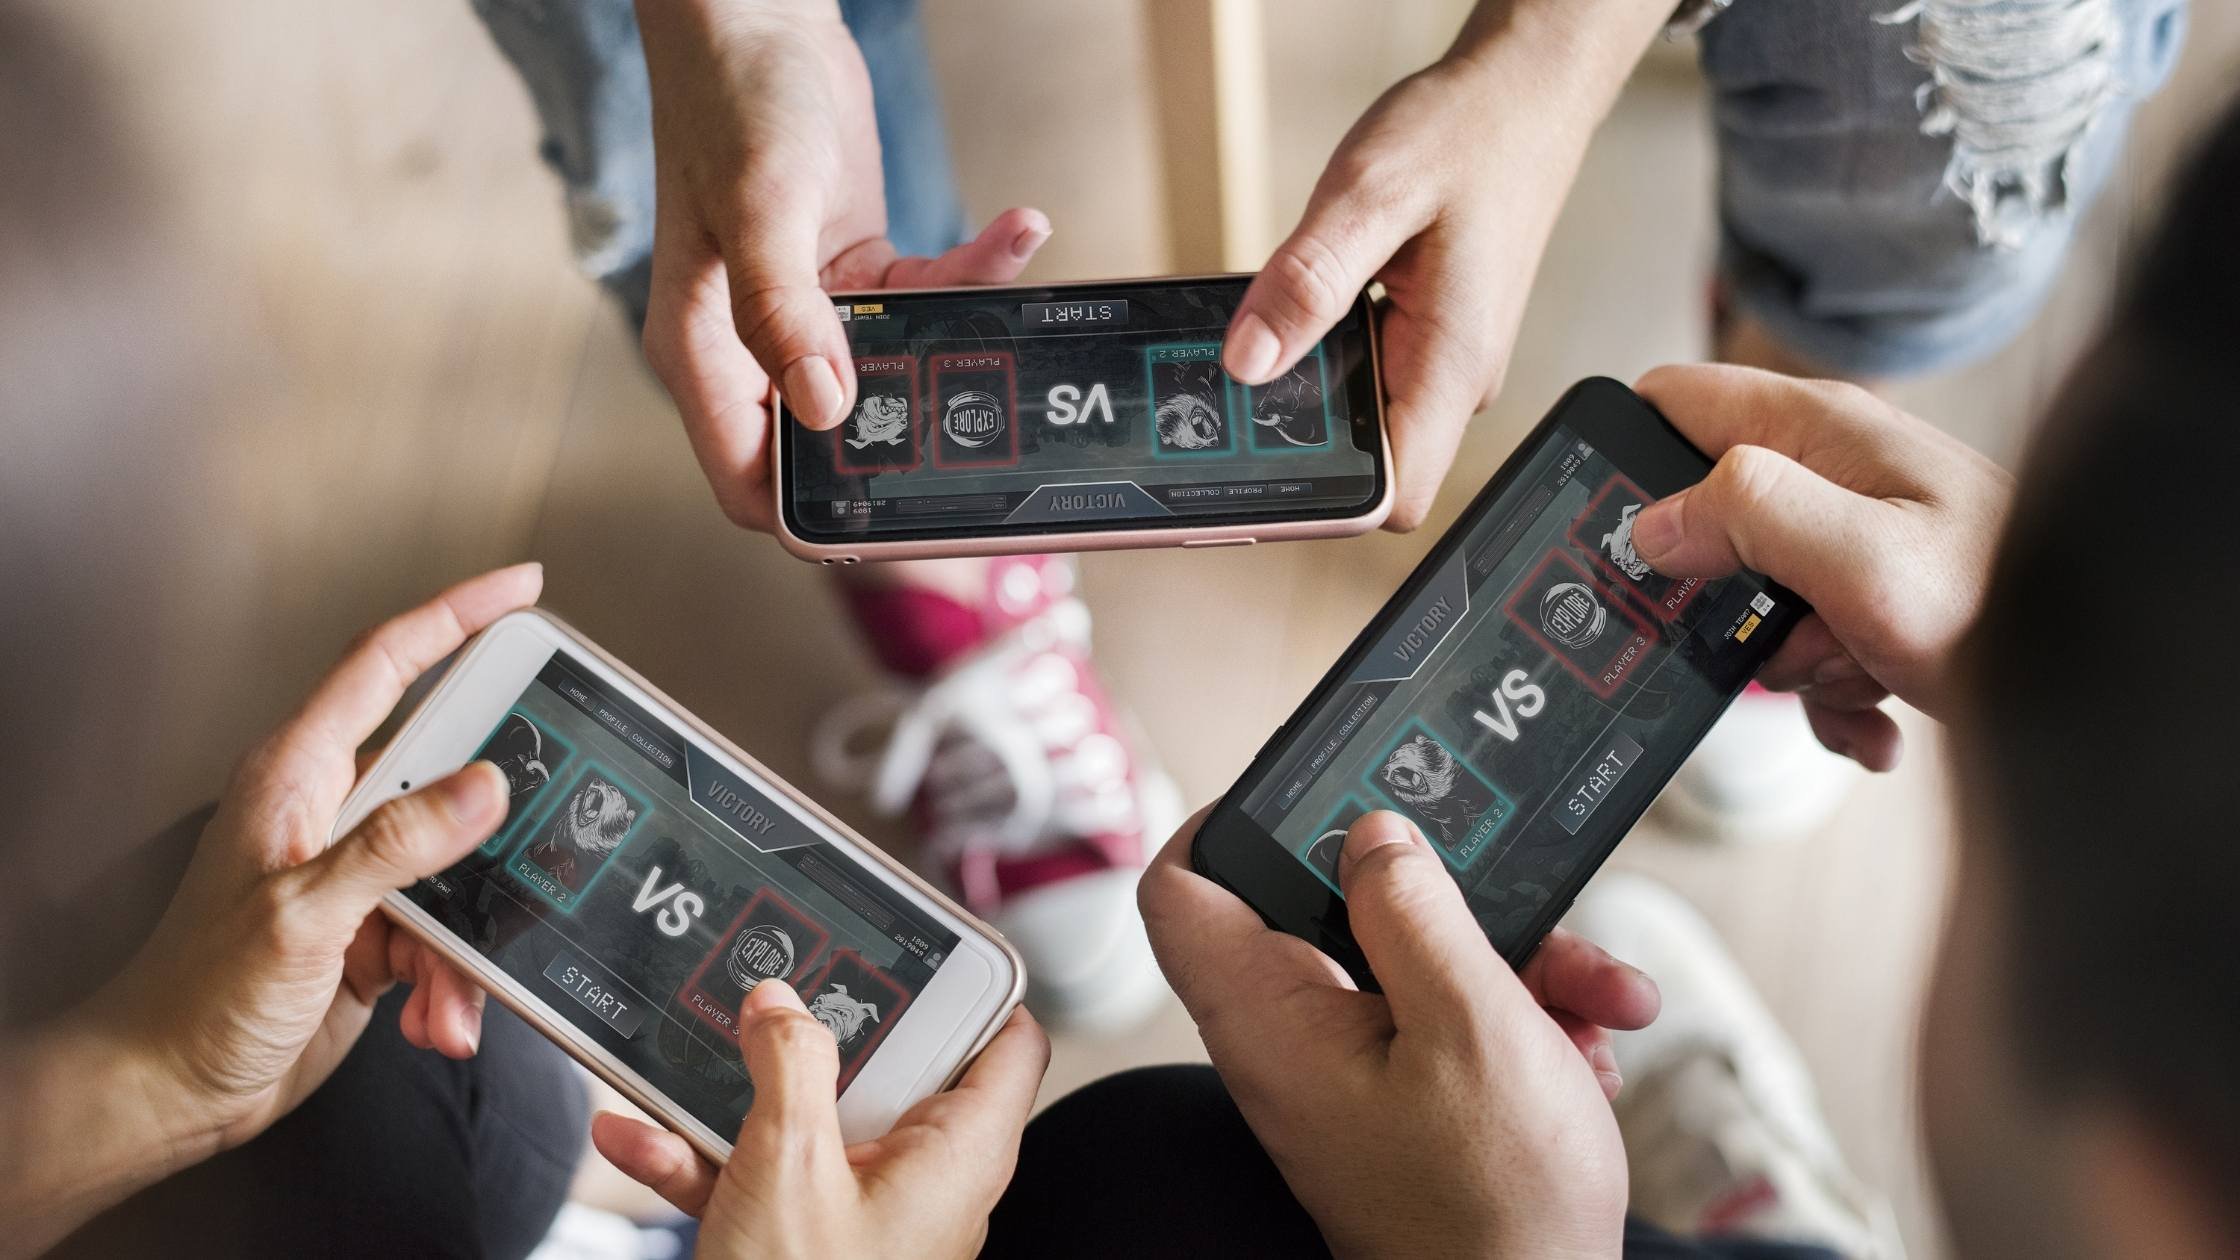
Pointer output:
1679, 682
680, 1047
1124, 449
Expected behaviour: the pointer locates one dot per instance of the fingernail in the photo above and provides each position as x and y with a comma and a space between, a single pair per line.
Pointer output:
1374, 831
1029, 240
1604, 1061
474, 1027
1657, 529
475, 795
1252, 349
770, 995
812, 389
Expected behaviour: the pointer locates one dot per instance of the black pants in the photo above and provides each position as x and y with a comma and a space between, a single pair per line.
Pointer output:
401, 1153
1158, 1162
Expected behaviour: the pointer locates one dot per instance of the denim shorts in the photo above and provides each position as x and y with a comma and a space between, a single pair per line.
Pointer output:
1898, 182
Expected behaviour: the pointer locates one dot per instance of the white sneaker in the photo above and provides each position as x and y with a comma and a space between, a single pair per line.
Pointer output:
1722, 1125
1759, 775
1034, 803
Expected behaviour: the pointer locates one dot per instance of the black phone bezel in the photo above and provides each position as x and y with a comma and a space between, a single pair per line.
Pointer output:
1364, 401
1236, 852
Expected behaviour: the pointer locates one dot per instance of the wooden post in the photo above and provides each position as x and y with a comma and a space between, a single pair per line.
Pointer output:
1209, 69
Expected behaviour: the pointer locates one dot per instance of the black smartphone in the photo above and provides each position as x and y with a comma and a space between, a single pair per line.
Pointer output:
1079, 416
1521, 699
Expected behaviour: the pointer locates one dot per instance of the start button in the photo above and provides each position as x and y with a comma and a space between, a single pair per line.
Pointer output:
616, 1006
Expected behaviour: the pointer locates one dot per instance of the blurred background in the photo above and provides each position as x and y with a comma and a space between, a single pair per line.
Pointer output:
356, 363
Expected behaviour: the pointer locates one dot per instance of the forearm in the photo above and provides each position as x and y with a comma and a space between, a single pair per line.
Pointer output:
80, 1130
1573, 55
714, 13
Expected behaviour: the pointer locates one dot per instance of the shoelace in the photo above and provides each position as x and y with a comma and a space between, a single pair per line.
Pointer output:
1005, 744
1756, 1092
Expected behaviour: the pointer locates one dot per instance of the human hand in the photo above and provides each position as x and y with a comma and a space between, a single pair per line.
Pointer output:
266, 965
1445, 191
768, 194
1884, 523
792, 1188
1462, 1112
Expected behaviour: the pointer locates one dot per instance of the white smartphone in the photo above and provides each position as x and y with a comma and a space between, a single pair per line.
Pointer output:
648, 873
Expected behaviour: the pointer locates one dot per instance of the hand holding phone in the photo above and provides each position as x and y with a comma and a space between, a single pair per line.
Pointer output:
1469, 1094
766, 157
647, 876
248, 990
1883, 521
266, 965
793, 1188
1521, 699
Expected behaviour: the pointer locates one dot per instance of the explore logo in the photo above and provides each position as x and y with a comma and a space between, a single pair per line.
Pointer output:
973, 419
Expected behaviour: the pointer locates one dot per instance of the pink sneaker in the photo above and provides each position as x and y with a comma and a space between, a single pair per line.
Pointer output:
1031, 793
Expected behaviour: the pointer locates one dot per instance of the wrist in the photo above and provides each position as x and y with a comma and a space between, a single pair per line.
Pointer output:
86, 1119
1572, 54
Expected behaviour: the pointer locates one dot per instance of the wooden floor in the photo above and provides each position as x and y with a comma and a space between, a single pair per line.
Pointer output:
405, 381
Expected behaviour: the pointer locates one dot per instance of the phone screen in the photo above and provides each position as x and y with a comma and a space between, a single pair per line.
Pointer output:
640, 888
1010, 411
1528, 693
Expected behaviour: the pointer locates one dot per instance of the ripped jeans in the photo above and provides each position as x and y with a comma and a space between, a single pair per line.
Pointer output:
1898, 185
1898, 179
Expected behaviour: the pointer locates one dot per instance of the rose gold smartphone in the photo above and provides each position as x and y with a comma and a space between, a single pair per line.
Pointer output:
1080, 417
648, 874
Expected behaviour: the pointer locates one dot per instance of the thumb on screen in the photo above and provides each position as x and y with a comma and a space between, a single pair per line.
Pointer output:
784, 316
1309, 283
404, 839
794, 1063
1407, 914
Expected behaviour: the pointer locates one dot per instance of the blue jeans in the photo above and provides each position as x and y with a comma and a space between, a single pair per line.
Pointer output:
587, 74
1845, 228
1847, 231
1862, 243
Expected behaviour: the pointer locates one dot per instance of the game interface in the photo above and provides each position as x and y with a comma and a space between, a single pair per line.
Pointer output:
1091, 408
1544, 672
640, 889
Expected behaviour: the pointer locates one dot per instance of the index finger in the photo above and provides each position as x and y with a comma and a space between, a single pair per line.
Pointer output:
1571, 973
357, 695
722, 395
1718, 406
1433, 386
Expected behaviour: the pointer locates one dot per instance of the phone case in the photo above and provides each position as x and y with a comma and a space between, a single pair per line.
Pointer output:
870, 550
562, 1033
